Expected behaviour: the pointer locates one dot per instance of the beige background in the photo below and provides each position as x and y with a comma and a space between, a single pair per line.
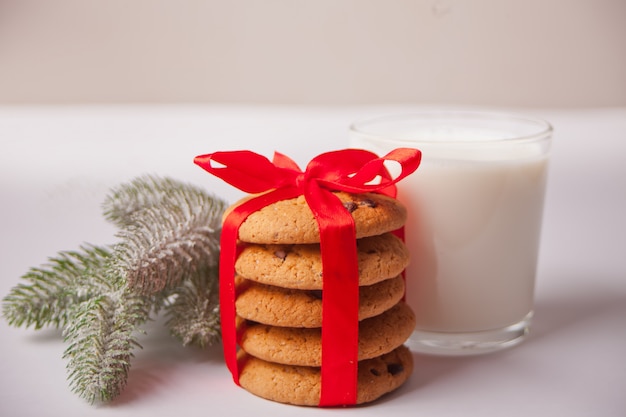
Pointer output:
569, 53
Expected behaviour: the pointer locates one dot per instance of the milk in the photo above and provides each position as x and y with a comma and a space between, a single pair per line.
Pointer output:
473, 233
474, 219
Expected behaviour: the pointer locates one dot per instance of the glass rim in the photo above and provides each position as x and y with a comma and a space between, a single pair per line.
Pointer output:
544, 128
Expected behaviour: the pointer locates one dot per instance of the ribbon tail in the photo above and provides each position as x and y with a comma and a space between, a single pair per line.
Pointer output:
340, 299
227, 291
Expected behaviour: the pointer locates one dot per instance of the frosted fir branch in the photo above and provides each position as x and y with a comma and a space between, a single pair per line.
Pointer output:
124, 201
143, 192
53, 289
158, 251
101, 336
166, 258
168, 239
193, 309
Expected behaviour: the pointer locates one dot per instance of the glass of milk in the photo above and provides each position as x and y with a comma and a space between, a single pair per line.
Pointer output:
475, 207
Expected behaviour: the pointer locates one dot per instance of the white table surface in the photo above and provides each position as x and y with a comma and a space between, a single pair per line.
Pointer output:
57, 164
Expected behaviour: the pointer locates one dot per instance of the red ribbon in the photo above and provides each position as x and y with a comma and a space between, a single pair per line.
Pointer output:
349, 170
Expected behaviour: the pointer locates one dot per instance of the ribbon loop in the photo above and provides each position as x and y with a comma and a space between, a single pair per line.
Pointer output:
350, 170
246, 170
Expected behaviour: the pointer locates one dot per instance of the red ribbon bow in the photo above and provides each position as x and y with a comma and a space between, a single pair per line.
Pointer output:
349, 170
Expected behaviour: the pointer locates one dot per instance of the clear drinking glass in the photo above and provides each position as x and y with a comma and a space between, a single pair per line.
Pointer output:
475, 208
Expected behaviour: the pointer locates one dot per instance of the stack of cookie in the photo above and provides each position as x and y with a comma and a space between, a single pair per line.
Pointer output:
279, 292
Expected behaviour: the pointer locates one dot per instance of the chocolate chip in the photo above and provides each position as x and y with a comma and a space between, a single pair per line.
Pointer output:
350, 206
375, 372
281, 254
395, 368
316, 294
367, 202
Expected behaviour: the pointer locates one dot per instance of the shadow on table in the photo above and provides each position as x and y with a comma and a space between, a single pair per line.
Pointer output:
556, 315
153, 373
553, 317
162, 357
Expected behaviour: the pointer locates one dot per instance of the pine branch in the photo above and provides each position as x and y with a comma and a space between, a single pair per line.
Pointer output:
194, 311
166, 257
55, 288
176, 232
101, 336
124, 201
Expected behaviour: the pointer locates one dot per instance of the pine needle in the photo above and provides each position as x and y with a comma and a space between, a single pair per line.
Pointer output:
168, 230
194, 311
55, 288
101, 336
141, 193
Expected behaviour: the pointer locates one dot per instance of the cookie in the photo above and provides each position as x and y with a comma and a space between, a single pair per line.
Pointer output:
301, 385
300, 346
278, 306
292, 222
300, 266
